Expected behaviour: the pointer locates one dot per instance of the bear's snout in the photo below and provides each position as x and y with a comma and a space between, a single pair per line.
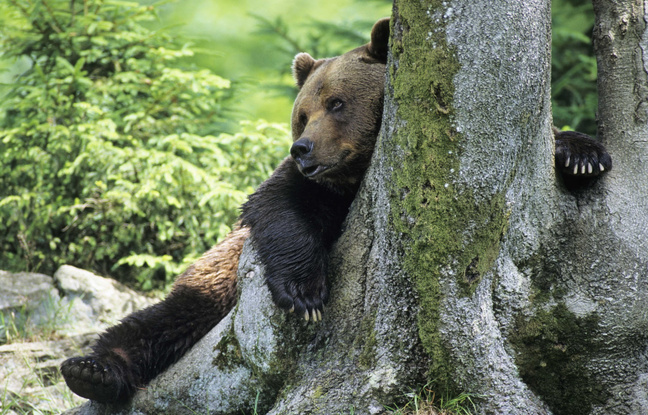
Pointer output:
301, 148
301, 152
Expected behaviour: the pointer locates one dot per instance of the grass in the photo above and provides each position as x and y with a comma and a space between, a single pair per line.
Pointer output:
41, 396
21, 325
426, 402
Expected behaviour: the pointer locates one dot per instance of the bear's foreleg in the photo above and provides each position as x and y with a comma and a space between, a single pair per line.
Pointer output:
294, 222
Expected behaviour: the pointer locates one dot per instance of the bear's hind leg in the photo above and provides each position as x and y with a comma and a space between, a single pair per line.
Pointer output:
100, 378
129, 355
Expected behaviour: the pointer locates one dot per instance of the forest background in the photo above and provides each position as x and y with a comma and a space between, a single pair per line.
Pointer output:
130, 133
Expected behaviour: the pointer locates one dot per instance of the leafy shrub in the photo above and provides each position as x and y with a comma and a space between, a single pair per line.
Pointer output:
110, 157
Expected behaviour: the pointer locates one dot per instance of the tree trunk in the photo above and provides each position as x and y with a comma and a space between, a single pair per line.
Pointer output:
478, 190
466, 260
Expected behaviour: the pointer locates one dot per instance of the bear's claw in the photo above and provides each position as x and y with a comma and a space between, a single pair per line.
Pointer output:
314, 315
306, 299
578, 154
309, 298
90, 379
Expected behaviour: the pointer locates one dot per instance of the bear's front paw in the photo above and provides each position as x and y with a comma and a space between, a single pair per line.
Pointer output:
305, 298
578, 154
88, 378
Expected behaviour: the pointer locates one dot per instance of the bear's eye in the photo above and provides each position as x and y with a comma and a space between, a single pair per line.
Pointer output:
303, 120
335, 104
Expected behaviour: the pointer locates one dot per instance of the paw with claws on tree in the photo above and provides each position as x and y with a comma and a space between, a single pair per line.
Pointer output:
579, 155
304, 298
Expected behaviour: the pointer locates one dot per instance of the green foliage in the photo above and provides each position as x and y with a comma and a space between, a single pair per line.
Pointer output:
257, 39
320, 39
109, 153
574, 95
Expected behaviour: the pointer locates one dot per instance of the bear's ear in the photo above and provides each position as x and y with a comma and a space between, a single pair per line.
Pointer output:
377, 48
302, 67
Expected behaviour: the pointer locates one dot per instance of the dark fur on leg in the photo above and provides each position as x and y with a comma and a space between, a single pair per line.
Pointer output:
130, 354
294, 222
102, 382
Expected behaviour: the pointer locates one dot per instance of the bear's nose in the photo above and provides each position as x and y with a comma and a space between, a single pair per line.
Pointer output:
301, 148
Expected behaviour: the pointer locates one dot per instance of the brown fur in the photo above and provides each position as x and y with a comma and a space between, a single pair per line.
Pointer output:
342, 140
130, 354
214, 274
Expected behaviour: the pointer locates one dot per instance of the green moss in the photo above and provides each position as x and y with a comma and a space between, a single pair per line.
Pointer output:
318, 392
367, 358
443, 227
552, 348
230, 353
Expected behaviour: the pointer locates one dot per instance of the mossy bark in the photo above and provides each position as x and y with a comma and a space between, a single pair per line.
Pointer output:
473, 126
530, 288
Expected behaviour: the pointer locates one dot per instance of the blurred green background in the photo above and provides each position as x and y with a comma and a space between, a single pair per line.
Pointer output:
253, 42
131, 132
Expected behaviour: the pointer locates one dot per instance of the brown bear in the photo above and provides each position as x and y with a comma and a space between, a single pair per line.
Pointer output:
293, 219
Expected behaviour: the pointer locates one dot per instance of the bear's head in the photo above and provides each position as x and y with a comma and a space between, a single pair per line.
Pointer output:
338, 112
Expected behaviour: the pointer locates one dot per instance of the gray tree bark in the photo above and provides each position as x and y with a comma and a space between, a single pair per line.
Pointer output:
466, 260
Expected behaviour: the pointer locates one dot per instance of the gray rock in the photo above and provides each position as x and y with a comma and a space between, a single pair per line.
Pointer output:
94, 303
21, 288
27, 299
73, 302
